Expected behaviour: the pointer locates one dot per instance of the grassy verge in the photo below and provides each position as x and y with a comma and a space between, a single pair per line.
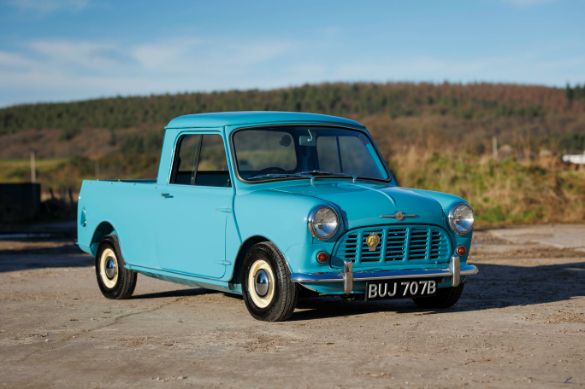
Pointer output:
501, 192
18, 170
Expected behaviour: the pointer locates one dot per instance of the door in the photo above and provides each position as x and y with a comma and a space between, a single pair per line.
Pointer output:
195, 206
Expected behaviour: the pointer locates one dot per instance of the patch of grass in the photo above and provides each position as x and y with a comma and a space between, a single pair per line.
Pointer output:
18, 170
501, 192
506, 192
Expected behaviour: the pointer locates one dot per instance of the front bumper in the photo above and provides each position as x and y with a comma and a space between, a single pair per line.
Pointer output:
455, 271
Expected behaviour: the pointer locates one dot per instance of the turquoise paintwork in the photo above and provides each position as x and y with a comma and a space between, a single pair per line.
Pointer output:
194, 234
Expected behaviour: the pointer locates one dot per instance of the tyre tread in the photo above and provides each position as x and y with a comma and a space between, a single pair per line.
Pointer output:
286, 300
126, 278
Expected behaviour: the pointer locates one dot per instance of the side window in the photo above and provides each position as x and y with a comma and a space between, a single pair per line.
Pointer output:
186, 159
200, 160
212, 167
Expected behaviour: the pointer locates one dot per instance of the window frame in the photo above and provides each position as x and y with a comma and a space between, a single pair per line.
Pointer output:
176, 150
387, 170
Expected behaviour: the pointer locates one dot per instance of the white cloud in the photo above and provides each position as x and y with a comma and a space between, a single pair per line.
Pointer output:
64, 69
48, 6
170, 54
184, 55
529, 68
78, 55
528, 3
11, 60
51, 70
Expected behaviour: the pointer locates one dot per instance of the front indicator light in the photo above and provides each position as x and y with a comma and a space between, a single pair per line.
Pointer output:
322, 257
461, 251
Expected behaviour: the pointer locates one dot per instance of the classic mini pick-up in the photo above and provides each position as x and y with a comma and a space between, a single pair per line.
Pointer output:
271, 205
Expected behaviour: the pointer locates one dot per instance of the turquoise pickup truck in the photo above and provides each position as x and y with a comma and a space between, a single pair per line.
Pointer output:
271, 205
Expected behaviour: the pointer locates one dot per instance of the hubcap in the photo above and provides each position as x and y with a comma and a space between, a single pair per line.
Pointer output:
262, 283
110, 268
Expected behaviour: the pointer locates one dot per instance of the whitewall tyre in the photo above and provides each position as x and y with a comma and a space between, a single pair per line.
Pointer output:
269, 294
114, 280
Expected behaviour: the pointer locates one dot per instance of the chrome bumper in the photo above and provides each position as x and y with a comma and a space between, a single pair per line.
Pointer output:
455, 271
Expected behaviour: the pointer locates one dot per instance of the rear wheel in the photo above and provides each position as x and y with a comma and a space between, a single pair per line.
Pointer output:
269, 294
114, 280
445, 298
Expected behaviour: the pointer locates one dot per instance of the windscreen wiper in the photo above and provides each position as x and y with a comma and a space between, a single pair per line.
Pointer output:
304, 174
362, 178
281, 175
312, 174
322, 173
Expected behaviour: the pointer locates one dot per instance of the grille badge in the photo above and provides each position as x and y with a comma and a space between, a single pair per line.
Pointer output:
373, 240
399, 215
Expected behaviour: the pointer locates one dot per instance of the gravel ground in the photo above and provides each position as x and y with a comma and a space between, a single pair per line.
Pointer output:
520, 322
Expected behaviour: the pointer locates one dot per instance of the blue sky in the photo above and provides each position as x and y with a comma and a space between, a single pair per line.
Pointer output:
54, 50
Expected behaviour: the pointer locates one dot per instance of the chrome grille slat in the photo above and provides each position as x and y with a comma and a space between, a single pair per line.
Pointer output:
403, 243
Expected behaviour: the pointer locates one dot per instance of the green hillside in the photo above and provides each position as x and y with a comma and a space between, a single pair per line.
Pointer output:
437, 136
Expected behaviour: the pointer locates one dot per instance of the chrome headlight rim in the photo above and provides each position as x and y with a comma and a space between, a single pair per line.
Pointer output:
453, 223
311, 222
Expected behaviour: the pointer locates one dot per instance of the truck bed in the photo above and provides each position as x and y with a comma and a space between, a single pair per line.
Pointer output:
124, 205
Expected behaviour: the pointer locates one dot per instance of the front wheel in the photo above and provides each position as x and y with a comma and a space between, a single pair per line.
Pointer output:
445, 298
269, 294
114, 280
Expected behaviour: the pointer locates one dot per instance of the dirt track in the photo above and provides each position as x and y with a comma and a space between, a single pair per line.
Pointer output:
520, 322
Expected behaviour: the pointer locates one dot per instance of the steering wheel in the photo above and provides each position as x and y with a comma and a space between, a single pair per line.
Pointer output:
271, 169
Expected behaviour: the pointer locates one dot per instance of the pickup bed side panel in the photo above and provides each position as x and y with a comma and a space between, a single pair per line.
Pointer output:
129, 207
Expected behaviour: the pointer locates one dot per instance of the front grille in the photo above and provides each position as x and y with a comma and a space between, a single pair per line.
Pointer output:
397, 243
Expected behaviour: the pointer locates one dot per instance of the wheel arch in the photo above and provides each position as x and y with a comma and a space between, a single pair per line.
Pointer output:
244, 247
104, 229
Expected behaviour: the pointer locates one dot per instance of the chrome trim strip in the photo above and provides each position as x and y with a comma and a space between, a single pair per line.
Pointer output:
369, 275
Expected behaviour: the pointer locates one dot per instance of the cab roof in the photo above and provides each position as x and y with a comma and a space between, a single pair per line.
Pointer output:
251, 118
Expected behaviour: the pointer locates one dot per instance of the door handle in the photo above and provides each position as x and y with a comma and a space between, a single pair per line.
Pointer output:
167, 195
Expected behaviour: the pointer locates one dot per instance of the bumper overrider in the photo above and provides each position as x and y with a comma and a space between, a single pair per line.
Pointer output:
455, 271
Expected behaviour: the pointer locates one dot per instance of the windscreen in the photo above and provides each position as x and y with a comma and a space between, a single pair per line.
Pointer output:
288, 152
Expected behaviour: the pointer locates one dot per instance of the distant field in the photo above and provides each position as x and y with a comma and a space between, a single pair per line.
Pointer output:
18, 170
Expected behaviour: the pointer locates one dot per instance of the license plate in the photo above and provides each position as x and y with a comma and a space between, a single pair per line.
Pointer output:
400, 288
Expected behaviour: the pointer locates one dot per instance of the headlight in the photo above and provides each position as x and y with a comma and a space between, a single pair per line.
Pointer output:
323, 222
461, 218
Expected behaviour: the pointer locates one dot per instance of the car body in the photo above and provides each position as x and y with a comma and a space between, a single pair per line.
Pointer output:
233, 183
